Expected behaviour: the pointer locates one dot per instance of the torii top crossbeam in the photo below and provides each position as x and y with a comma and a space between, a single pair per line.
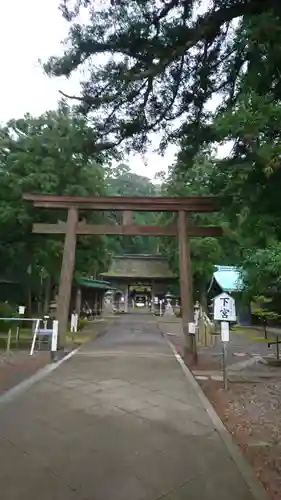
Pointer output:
137, 203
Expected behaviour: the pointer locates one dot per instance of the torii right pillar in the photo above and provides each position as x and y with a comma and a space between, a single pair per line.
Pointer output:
186, 287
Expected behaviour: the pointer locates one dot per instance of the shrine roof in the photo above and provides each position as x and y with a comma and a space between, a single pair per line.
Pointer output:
228, 278
142, 266
91, 283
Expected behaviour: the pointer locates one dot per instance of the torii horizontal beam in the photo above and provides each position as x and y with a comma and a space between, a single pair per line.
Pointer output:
137, 203
125, 230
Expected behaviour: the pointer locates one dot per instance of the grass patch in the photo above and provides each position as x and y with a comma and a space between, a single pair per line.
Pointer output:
25, 336
248, 332
23, 343
252, 334
262, 340
25, 333
77, 338
88, 333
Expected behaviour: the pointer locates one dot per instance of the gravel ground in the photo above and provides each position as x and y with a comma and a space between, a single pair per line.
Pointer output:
19, 365
252, 414
251, 410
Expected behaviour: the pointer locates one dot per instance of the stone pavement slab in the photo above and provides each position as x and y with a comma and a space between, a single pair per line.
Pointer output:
117, 421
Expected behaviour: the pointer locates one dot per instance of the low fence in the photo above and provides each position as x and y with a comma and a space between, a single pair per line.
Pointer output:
206, 336
39, 334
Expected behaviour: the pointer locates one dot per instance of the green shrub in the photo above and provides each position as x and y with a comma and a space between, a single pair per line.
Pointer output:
6, 311
265, 315
82, 322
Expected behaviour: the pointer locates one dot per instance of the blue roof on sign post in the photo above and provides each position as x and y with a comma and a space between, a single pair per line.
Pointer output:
228, 278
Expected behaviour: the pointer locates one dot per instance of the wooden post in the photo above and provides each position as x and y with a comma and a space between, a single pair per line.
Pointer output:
67, 268
186, 284
78, 300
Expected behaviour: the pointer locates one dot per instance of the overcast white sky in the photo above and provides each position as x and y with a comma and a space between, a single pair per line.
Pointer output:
31, 30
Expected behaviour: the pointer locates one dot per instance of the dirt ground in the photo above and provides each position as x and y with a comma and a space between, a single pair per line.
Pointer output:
252, 414
19, 365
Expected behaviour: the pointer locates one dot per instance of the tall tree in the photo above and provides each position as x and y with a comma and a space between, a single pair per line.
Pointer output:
161, 61
49, 154
123, 182
206, 252
249, 179
164, 61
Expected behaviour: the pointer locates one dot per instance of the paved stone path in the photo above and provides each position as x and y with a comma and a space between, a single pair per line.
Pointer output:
117, 421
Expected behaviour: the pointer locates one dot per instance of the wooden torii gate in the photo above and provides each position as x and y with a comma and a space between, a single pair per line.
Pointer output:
181, 206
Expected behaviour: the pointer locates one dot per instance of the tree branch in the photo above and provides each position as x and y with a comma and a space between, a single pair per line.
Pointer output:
168, 7
206, 27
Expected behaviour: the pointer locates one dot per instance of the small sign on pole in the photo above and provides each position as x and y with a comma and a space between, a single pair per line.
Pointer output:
224, 308
225, 312
74, 323
21, 311
192, 328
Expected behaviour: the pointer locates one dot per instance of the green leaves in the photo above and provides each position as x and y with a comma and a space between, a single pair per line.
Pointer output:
205, 252
159, 63
263, 268
123, 182
49, 154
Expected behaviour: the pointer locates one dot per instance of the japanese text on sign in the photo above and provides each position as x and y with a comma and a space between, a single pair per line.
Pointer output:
224, 308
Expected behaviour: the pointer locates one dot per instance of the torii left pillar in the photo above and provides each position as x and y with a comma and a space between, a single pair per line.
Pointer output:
186, 287
67, 269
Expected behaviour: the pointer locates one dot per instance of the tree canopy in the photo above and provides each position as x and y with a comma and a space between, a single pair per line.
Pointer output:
123, 182
201, 74
50, 154
206, 252
155, 65
46, 154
